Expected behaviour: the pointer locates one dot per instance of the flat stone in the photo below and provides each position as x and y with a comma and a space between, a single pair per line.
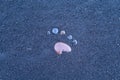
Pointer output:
60, 47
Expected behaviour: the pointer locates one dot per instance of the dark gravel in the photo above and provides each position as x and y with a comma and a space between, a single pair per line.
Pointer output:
26, 51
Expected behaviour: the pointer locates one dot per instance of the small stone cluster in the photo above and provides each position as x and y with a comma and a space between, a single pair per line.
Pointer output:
56, 31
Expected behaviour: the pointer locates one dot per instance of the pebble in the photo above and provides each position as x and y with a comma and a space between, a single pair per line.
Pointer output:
60, 47
75, 42
55, 30
48, 32
69, 37
62, 32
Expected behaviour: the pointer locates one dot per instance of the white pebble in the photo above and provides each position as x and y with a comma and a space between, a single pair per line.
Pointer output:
55, 30
75, 42
69, 37
48, 32
62, 32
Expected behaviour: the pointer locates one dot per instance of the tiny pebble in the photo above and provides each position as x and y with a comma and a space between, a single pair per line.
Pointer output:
55, 30
62, 32
69, 37
75, 42
48, 33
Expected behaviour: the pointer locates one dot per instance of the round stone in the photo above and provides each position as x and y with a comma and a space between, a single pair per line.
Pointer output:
55, 30
62, 32
69, 37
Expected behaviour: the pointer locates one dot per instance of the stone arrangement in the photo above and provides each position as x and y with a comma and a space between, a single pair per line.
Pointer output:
61, 46
62, 32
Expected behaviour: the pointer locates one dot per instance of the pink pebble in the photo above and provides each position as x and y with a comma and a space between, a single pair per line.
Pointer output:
60, 47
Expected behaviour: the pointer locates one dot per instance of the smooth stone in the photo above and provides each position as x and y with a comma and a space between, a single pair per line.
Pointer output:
60, 47
69, 37
55, 30
75, 42
62, 32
